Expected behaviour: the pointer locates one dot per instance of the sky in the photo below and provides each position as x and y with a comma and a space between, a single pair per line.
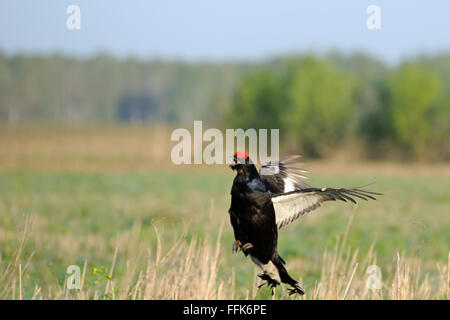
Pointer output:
231, 30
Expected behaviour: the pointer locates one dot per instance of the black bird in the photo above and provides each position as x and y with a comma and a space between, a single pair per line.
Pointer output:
263, 202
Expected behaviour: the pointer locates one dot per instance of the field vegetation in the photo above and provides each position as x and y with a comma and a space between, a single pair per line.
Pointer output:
108, 199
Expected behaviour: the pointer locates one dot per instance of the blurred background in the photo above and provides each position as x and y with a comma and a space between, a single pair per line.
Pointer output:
314, 70
89, 97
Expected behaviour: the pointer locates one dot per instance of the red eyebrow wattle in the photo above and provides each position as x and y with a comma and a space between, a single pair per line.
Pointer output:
241, 154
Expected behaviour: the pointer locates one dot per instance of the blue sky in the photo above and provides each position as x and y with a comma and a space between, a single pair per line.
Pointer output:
216, 30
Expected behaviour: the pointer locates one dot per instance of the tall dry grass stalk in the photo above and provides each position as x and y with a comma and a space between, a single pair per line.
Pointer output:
182, 270
11, 272
190, 270
344, 277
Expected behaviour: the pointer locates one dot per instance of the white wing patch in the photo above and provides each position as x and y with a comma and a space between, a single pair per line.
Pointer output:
291, 206
289, 185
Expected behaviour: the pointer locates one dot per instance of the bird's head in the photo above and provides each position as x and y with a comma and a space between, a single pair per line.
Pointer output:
243, 164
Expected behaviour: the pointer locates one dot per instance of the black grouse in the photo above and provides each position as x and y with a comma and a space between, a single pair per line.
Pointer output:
263, 202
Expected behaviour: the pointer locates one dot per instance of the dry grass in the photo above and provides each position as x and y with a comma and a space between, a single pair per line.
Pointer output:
140, 148
343, 277
75, 221
190, 270
111, 148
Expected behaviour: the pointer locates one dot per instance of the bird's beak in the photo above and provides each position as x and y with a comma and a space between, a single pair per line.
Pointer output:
233, 165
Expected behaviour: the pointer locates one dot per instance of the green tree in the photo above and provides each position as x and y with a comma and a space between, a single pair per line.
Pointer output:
413, 90
257, 102
320, 110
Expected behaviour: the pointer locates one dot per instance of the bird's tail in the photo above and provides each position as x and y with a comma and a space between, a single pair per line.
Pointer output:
284, 275
275, 272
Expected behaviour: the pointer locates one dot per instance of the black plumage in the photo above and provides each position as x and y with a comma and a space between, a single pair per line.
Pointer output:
263, 202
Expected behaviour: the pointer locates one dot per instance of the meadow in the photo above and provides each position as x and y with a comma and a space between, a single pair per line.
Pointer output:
109, 200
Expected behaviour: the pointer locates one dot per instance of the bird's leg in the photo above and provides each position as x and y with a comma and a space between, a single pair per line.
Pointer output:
236, 245
247, 247
296, 289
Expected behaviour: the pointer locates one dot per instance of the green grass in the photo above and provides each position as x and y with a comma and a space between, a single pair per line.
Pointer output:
78, 216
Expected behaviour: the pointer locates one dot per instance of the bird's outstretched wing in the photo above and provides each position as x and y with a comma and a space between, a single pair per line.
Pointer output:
291, 205
284, 175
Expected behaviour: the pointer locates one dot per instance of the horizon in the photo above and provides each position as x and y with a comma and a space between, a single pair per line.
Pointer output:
212, 62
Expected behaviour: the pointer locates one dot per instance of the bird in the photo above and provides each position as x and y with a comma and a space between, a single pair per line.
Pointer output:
264, 202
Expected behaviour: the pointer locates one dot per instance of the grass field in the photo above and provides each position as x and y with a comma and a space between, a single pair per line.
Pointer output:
108, 200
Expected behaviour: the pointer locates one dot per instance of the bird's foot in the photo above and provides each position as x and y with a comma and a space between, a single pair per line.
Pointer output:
271, 283
236, 245
246, 248
296, 289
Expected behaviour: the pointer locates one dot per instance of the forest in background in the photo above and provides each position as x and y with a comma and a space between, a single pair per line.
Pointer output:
396, 112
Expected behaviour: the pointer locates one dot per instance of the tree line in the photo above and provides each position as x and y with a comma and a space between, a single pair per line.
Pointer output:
400, 112
318, 102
